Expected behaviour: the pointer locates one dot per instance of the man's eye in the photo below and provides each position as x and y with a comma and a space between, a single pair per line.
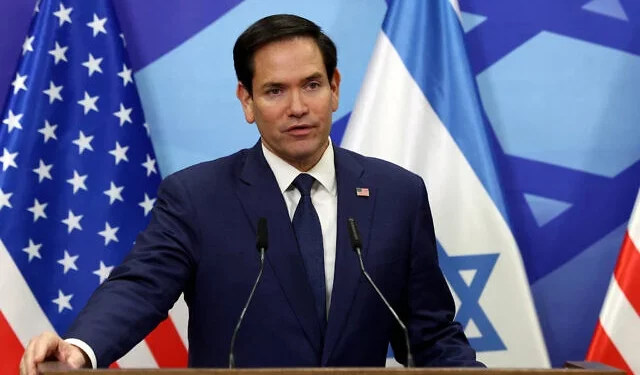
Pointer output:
313, 85
274, 91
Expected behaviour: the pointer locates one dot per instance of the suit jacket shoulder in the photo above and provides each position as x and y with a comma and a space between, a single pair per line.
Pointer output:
210, 173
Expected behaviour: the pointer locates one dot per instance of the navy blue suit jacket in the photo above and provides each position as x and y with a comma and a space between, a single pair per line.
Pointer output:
201, 241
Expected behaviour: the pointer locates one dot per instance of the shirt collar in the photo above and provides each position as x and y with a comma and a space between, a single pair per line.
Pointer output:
324, 171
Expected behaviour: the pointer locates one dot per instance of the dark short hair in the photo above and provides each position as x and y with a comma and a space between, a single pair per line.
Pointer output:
273, 29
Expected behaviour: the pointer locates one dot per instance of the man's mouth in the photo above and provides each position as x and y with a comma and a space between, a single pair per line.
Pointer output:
299, 130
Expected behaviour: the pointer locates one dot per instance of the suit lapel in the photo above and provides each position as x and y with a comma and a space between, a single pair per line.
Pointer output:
260, 197
349, 175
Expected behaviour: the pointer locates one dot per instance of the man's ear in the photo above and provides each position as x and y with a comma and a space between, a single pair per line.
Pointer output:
247, 102
335, 90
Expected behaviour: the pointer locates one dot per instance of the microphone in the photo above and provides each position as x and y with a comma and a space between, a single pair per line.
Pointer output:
356, 244
262, 242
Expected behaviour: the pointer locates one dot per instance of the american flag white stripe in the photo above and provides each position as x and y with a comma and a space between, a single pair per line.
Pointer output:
180, 316
634, 224
18, 305
621, 323
139, 356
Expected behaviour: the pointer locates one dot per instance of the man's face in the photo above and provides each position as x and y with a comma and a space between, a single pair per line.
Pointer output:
293, 100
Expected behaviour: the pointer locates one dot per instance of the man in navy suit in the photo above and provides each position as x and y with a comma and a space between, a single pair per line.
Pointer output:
309, 309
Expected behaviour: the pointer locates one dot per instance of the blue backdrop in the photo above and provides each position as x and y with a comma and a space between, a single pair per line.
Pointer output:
559, 81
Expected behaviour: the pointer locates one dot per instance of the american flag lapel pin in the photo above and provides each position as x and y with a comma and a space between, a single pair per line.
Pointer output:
362, 192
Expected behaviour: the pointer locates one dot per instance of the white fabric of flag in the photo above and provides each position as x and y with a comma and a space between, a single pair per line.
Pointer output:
419, 108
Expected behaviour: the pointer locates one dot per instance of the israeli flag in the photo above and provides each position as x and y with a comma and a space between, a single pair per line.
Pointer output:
419, 108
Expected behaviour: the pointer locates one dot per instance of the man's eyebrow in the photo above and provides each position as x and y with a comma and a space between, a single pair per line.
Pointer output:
268, 85
317, 76
312, 77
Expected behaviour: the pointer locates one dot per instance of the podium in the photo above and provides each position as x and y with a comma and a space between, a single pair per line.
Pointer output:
571, 368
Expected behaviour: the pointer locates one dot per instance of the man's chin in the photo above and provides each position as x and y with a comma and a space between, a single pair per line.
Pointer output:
303, 159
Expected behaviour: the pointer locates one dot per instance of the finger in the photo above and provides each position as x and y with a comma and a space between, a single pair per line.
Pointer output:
27, 365
23, 368
45, 346
62, 353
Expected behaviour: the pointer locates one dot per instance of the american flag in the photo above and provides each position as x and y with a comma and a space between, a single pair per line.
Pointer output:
616, 340
78, 178
362, 192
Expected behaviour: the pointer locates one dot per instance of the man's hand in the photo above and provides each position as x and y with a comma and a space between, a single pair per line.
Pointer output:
50, 346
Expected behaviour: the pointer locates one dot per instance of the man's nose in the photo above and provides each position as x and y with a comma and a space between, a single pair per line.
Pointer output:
297, 105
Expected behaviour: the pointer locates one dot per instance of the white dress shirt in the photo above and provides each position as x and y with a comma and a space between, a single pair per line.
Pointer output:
324, 196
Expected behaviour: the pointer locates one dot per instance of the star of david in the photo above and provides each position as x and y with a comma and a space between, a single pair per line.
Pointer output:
469, 293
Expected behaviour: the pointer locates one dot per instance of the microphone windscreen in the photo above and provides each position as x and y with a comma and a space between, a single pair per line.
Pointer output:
354, 235
262, 237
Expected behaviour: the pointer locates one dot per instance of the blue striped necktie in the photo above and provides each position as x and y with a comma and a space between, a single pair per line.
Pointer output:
309, 234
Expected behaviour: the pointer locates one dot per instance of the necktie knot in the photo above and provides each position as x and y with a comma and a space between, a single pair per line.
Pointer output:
303, 183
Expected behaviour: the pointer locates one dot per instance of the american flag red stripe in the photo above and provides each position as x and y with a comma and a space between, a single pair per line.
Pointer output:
11, 348
166, 345
605, 351
616, 340
627, 272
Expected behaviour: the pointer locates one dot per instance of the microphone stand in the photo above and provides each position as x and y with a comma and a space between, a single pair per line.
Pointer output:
261, 244
232, 361
356, 243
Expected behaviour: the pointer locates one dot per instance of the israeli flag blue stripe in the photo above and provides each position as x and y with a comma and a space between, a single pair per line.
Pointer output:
428, 37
